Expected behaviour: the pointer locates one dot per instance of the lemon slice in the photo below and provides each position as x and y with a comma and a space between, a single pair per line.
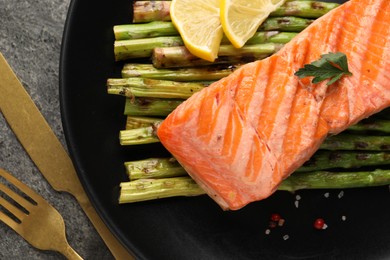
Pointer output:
199, 25
240, 19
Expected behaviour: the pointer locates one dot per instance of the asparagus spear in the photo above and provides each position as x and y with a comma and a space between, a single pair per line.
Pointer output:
206, 73
146, 11
287, 24
154, 168
149, 189
377, 125
357, 142
160, 28
322, 160
335, 180
139, 130
134, 122
142, 48
140, 87
180, 57
144, 30
173, 57
150, 106
142, 135
307, 9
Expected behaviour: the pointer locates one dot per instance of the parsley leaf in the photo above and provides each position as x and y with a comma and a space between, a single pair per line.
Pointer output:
331, 66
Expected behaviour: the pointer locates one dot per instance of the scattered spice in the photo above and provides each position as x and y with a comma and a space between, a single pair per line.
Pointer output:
326, 195
285, 237
343, 218
275, 217
319, 223
297, 199
281, 222
267, 231
340, 195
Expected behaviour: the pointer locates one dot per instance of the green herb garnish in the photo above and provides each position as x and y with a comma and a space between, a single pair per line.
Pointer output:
331, 66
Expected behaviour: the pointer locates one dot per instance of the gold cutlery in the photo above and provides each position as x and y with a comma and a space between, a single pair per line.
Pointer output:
32, 217
46, 151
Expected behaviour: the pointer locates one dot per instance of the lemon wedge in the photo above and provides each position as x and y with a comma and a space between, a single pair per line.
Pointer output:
199, 25
240, 19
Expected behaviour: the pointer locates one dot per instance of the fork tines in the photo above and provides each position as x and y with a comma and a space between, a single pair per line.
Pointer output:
17, 202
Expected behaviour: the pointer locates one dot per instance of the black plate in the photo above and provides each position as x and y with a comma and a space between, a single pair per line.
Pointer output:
192, 228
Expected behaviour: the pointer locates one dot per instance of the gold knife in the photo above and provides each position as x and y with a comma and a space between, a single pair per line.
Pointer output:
46, 150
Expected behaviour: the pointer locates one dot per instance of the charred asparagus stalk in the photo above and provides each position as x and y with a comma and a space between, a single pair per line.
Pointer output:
146, 11
345, 141
144, 30
322, 160
139, 130
335, 180
180, 57
307, 9
142, 48
153, 168
160, 28
134, 122
286, 24
173, 57
140, 87
369, 125
149, 189
142, 135
150, 106
206, 73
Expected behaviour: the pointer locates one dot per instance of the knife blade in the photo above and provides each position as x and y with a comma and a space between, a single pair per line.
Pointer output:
46, 151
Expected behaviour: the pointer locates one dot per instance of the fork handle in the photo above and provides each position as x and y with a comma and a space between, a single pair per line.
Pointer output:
70, 253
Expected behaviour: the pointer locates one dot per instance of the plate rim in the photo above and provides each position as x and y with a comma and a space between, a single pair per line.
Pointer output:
65, 51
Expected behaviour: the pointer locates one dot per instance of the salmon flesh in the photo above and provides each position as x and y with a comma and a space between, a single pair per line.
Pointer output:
240, 137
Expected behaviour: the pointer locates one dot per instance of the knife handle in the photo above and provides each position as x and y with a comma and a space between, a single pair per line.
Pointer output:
117, 249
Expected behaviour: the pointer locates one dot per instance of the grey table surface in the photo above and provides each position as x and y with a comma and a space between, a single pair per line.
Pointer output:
30, 40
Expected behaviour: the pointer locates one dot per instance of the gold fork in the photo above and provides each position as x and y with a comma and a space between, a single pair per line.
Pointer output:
39, 223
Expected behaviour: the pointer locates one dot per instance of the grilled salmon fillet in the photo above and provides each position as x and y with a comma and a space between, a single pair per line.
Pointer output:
241, 136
